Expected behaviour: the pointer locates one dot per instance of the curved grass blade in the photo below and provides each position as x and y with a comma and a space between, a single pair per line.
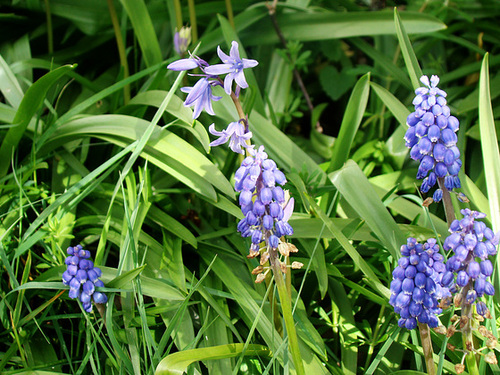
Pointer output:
491, 155
353, 115
411, 61
164, 148
32, 100
302, 26
372, 279
177, 363
144, 30
357, 190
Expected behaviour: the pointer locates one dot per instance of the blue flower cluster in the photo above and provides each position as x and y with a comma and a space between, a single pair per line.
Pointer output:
263, 201
200, 95
416, 284
432, 138
82, 277
472, 242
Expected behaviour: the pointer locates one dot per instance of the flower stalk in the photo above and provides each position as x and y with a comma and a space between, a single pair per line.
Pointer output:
286, 308
425, 337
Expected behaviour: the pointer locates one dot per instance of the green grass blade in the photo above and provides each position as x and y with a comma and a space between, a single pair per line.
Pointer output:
302, 26
177, 363
395, 143
371, 277
411, 61
359, 193
144, 30
31, 102
353, 115
491, 155
9, 86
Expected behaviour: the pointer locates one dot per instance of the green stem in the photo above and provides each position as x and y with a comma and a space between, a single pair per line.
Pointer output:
50, 35
448, 205
425, 337
230, 16
178, 14
467, 337
286, 308
192, 20
121, 49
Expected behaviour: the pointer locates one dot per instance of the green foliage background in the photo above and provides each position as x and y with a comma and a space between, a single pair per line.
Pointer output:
102, 153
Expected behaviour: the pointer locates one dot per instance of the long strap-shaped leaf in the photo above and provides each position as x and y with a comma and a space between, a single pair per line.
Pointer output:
408, 54
178, 362
32, 100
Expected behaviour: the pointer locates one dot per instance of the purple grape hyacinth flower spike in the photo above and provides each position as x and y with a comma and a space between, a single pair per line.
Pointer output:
469, 268
235, 133
233, 66
415, 287
82, 278
432, 138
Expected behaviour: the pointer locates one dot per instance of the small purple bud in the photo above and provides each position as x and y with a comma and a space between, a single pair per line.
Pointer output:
420, 280
88, 287
245, 197
473, 269
84, 297
267, 222
258, 208
273, 241
462, 278
266, 195
486, 267
256, 236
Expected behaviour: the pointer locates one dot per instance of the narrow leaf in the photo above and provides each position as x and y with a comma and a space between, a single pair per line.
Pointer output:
177, 363
32, 100
411, 61
350, 122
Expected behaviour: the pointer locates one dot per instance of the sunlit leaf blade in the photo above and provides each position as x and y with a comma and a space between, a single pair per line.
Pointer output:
371, 278
329, 25
177, 363
165, 149
353, 115
144, 30
491, 154
357, 190
411, 61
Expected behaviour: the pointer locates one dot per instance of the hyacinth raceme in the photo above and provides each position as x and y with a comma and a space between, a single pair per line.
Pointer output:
468, 269
432, 138
200, 95
263, 201
82, 277
416, 285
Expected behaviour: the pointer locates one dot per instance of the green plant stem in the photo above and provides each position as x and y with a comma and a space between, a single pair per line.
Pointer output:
192, 20
230, 16
50, 35
286, 308
121, 50
467, 337
425, 337
178, 14
448, 205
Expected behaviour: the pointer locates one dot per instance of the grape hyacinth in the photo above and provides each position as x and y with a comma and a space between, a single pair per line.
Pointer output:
82, 277
432, 138
264, 203
468, 269
200, 95
416, 284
